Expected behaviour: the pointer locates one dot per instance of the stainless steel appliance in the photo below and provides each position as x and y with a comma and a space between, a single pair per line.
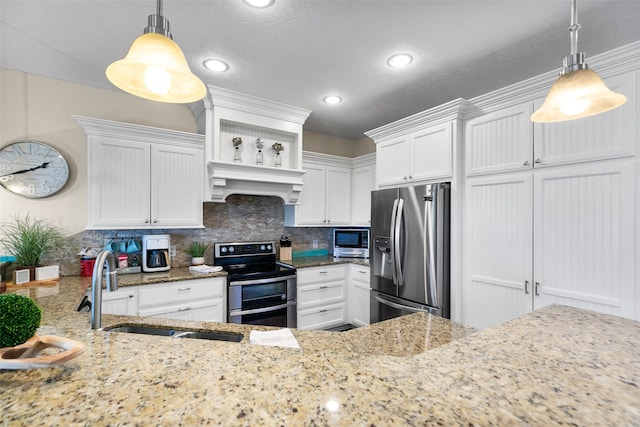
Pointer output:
155, 252
261, 290
410, 243
351, 243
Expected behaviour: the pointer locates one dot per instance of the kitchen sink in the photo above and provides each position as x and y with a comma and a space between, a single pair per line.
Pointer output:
177, 333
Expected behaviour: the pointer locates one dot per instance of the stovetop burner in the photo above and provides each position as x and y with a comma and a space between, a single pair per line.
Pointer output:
250, 260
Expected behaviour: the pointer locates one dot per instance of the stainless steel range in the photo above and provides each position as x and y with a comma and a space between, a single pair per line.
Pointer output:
261, 290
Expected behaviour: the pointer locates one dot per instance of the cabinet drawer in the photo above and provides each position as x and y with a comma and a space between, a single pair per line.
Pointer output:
208, 310
185, 290
360, 274
322, 317
325, 274
320, 294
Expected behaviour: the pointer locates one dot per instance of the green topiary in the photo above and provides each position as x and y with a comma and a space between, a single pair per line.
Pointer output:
19, 319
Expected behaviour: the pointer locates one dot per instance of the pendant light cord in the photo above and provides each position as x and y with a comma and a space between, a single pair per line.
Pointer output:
573, 29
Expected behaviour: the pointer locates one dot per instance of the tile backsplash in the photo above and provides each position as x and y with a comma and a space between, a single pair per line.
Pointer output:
241, 218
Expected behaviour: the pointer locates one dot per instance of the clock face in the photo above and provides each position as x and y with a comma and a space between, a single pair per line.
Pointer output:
32, 169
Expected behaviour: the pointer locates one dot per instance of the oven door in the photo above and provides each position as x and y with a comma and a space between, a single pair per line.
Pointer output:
268, 301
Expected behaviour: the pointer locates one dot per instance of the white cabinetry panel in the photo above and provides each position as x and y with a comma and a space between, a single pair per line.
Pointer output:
321, 296
392, 160
338, 196
584, 248
311, 207
362, 183
500, 243
359, 290
123, 302
500, 141
432, 153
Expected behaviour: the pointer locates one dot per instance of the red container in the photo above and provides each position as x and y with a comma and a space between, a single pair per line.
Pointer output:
86, 266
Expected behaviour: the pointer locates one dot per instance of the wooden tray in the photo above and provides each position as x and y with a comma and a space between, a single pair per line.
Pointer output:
25, 356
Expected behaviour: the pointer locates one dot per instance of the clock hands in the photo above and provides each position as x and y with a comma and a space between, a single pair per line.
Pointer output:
42, 166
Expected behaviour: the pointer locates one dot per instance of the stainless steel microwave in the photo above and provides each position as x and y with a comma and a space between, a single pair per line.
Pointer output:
351, 243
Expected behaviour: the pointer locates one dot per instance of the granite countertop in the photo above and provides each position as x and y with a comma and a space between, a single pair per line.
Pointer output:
318, 261
558, 365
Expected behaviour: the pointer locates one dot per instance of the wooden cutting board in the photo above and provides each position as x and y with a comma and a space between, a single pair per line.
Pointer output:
26, 355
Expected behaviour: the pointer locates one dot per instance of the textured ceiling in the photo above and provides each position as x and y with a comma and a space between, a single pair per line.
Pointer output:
295, 52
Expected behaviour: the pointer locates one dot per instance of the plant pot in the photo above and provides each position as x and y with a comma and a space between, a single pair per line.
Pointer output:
31, 268
197, 260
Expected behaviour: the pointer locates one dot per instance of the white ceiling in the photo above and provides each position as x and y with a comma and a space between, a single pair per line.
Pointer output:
297, 51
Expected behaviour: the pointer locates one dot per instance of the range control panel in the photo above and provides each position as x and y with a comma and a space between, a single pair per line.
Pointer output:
222, 250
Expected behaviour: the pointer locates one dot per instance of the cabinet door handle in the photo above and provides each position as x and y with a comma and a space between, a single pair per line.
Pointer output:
322, 273
538, 161
183, 289
323, 310
130, 296
323, 287
184, 309
362, 272
526, 287
526, 163
146, 221
155, 221
536, 289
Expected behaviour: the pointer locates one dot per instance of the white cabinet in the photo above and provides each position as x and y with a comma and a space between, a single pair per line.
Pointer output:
506, 140
201, 299
141, 177
123, 302
359, 295
362, 183
321, 297
426, 154
325, 199
561, 236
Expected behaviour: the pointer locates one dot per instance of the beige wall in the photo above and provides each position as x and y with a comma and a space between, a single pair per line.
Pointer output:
328, 144
37, 108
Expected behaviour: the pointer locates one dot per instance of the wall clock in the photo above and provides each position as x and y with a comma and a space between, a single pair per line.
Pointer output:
32, 169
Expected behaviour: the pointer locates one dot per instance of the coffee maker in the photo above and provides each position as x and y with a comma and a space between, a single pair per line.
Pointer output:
155, 252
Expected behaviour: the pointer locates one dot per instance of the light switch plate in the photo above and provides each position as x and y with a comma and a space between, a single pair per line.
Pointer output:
48, 272
20, 276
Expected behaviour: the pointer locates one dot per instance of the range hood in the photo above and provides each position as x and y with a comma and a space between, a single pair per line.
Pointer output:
234, 170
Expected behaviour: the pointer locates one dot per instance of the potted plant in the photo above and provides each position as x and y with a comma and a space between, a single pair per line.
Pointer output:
28, 239
196, 250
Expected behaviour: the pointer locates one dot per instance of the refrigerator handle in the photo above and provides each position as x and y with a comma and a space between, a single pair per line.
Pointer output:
430, 246
392, 242
398, 306
396, 242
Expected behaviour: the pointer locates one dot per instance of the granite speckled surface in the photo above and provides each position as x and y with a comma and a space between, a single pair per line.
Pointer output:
558, 365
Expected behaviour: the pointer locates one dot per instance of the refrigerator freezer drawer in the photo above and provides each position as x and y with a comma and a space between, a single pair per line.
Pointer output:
384, 307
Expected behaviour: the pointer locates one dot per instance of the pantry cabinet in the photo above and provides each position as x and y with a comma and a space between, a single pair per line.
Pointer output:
141, 177
322, 297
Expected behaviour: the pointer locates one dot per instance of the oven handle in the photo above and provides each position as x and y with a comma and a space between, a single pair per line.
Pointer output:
261, 310
261, 281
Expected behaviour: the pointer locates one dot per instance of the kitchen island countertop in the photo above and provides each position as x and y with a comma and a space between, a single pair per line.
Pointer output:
558, 365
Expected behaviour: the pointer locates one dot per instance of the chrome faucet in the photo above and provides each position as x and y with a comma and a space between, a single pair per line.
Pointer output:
104, 258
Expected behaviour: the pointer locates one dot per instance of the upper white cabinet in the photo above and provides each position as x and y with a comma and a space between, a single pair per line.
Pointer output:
418, 148
326, 195
232, 115
363, 181
507, 140
142, 177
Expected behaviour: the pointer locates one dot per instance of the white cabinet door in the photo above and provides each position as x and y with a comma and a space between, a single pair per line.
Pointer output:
338, 203
176, 186
118, 184
603, 136
359, 309
499, 236
311, 207
362, 183
584, 237
123, 302
392, 161
500, 141
431, 153
321, 296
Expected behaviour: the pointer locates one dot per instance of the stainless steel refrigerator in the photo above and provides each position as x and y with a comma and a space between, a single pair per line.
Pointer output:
409, 251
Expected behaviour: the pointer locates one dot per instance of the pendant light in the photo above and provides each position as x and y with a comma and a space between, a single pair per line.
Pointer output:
155, 68
578, 92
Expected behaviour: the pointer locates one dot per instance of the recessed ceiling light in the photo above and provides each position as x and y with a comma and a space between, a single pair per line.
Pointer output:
259, 3
400, 60
215, 65
332, 99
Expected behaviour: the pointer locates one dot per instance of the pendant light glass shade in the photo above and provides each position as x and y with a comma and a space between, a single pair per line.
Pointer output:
578, 92
155, 68
575, 95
